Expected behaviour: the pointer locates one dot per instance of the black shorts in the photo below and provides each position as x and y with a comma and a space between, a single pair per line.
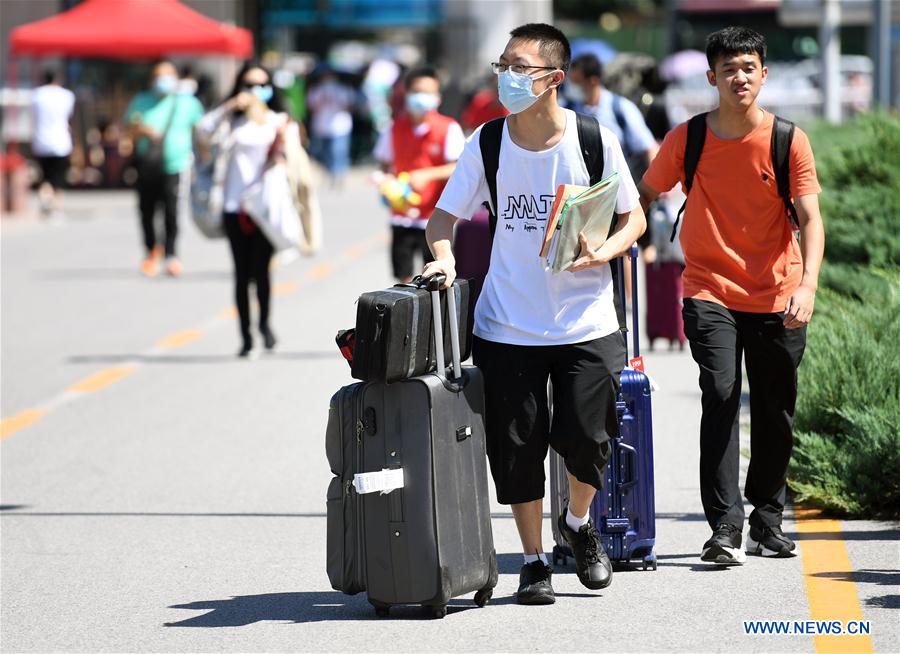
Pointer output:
406, 242
585, 380
54, 170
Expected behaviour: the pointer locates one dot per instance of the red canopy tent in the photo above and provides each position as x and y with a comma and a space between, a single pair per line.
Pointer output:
130, 29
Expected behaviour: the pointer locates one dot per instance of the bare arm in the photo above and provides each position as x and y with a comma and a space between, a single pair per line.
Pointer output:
439, 234
801, 304
648, 195
422, 176
629, 227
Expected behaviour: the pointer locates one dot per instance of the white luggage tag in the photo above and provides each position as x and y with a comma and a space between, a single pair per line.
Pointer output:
382, 481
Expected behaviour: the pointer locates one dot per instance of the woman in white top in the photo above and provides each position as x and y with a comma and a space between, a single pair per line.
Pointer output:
253, 125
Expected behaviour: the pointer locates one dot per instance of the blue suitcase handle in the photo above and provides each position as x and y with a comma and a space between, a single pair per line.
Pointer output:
635, 325
632, 478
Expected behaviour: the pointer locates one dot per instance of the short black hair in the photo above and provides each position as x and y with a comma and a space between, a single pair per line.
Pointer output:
52, 76
734, 41
588, 65
421, 71
276, 103
554, 46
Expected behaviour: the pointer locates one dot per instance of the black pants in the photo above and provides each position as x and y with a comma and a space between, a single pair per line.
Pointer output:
405, 244
585, 380
159, 189
252, 254
719, 338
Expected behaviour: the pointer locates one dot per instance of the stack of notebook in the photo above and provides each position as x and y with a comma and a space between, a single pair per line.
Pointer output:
578, 209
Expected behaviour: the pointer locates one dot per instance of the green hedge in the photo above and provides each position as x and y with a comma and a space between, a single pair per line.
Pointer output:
847, 424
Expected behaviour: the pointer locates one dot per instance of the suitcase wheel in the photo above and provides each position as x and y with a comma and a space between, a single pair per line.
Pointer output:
438, 612
483, 596
650, 561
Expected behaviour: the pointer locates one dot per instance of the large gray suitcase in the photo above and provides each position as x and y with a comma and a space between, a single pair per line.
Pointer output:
429, 539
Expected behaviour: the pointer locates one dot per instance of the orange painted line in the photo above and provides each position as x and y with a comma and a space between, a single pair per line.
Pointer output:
23, 419
321, 271
355, 252
180, 339
229, 314
829, 581
284, 288
101, 380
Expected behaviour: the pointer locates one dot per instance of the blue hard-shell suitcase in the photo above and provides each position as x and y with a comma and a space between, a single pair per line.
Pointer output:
624, 509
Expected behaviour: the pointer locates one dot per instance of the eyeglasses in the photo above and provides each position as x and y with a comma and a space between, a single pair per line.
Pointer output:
519, 69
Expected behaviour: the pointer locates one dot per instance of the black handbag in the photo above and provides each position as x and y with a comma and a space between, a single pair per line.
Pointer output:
150, 163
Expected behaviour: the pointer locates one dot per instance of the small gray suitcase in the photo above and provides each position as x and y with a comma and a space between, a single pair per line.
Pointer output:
423, 535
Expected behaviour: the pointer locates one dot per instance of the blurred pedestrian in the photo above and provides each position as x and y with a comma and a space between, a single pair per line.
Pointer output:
251, 132
485, 105
586, 94
161, 122
425, 145
330, 103
749, 287
52, 106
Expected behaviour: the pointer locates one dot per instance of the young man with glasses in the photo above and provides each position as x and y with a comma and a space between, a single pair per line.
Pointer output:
531, 325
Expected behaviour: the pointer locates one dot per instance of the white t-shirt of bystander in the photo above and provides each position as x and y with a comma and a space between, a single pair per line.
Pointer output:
52, 107
523, 302
330, 103
250, 145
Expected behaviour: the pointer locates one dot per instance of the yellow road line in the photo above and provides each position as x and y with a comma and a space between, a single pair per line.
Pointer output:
180, 339
229, 314
284, 288
355, 252
23, 419
829, 581
101, 380
321, 271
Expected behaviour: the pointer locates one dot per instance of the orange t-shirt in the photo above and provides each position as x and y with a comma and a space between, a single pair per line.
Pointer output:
739, 247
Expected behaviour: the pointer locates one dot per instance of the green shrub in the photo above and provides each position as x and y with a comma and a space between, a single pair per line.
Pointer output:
866, 156
847, 423
861, 225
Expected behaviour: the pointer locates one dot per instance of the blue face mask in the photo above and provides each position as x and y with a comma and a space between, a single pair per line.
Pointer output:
419, 104
515, 91
165, 84
263, 92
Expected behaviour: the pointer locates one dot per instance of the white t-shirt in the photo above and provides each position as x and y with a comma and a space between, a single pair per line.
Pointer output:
330, 103
249, 151
523, 302
52, 106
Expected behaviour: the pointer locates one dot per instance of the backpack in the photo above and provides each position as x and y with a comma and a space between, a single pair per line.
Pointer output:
782, 137
591, 144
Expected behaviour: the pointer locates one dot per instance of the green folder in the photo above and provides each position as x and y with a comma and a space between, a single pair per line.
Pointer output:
590, 212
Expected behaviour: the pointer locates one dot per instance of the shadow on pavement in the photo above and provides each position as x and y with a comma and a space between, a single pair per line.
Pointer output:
884, 602
303, 607
879, 577
683, 517
146, 514
200, 358
125, 274
887, 535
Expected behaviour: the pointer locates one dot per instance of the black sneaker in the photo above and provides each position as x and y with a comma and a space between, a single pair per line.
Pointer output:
269, 340
769, 541
592, 565
724, 548
534, 584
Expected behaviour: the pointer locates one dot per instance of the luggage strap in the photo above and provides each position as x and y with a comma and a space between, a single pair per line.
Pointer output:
413, 338
782, 138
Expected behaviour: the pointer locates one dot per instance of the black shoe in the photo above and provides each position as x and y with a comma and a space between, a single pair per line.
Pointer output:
534, 584
246, 349
591, 562
769, 541
269, 340
724, 548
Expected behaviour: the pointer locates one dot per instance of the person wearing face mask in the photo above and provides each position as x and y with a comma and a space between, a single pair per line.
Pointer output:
532, 325
249, 132
161, 121
425, 144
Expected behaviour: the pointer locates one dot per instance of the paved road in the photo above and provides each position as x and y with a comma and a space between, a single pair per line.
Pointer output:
160, 495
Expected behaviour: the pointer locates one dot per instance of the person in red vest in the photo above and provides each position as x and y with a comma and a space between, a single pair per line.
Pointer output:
425, 145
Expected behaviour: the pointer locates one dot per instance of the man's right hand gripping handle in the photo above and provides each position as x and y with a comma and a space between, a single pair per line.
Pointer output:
440, 237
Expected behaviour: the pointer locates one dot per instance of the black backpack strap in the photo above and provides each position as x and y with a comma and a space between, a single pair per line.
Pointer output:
782, 137
489, 141
591, 144
693, 148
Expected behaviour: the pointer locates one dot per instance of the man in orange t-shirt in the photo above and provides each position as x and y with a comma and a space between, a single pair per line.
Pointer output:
749, 290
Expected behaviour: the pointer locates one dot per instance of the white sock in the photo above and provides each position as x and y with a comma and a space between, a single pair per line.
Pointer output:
531, 558
575, 523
